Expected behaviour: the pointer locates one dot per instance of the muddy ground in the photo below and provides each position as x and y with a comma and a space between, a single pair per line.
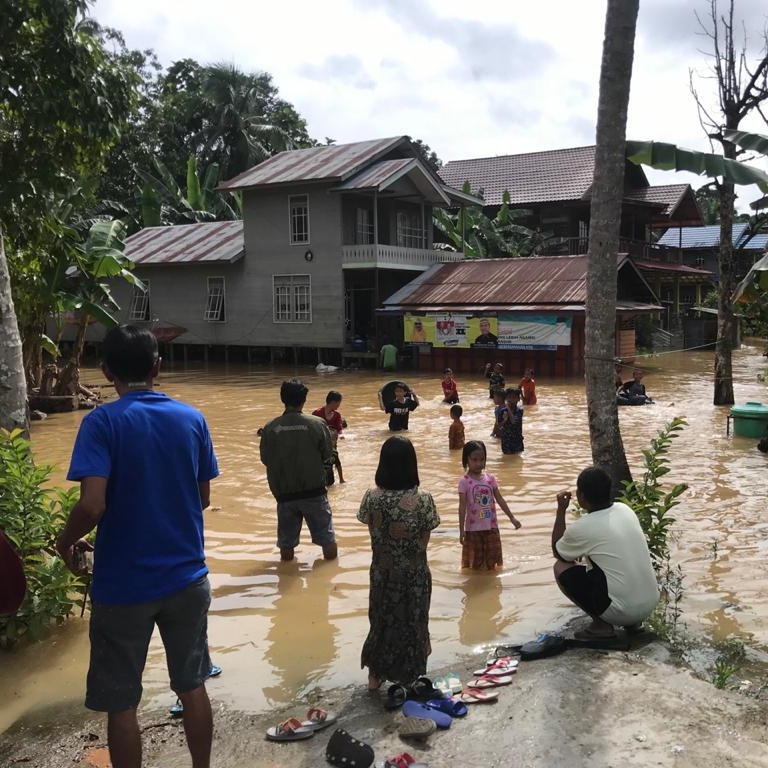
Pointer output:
583, 708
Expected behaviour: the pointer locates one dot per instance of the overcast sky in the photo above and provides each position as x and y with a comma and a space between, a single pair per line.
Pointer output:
470, 79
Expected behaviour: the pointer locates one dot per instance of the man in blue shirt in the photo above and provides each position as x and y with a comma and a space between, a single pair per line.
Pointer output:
144, 463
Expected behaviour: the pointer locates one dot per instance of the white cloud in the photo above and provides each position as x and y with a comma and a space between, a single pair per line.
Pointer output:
470, 79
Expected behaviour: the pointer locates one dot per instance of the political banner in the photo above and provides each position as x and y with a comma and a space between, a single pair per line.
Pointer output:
546, 332
418, 329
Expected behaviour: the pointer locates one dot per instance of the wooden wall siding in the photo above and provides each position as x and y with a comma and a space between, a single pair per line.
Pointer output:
561, 363
626, 344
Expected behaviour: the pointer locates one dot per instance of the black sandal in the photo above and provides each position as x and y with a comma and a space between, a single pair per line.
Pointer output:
396, 696
344, 750
423, 690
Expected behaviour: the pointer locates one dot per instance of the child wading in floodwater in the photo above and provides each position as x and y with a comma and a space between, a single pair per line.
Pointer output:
495, 377
450, 393
456, 431
528, 387
478, 526
512, 428
499, 409
329, 476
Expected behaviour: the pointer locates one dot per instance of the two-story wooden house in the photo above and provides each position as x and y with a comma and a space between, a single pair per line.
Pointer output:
555, 186
327, 232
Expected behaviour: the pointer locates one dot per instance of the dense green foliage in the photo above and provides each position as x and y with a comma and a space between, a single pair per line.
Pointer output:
651, 503
503, 236
31, 515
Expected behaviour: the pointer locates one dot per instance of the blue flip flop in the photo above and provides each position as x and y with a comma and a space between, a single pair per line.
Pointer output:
417, 709
448, 706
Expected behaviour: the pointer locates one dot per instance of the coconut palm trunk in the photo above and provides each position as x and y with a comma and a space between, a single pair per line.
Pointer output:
605, 223
13, 387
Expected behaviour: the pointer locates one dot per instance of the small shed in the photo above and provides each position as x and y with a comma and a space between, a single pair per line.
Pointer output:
524, 313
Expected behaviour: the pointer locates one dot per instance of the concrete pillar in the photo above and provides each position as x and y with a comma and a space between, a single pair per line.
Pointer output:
185, 353
677, 297
271, 355
205, 355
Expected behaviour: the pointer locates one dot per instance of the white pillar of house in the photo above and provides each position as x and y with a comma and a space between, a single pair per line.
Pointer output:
375, 217
423, 227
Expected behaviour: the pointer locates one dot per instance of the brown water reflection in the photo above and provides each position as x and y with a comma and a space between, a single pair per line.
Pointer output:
282, 629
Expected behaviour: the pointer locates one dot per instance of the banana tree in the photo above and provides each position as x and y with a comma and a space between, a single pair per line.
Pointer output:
486, 238
82, 287
163, 202
725, 172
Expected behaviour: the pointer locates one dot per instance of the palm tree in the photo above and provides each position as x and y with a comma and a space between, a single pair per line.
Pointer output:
605, 217
245, 123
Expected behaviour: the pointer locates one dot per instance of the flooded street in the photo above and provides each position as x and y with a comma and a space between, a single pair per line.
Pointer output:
282, 629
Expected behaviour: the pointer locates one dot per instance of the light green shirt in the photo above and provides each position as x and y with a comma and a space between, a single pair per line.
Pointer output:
389, 357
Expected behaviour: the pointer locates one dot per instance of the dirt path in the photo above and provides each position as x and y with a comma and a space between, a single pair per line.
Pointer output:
584, 708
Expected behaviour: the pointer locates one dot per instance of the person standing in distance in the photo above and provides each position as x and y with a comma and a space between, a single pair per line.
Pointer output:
144, 462
296, 450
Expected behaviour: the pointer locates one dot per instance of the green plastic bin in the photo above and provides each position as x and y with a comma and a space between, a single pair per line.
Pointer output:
750, 420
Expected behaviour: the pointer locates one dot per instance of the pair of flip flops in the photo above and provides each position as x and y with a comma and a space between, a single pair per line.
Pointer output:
478, 696
490, 681
345, 750
297, 730
499, 667
401, 761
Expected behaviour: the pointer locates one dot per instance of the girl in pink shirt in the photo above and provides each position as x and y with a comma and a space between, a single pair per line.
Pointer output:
478, 526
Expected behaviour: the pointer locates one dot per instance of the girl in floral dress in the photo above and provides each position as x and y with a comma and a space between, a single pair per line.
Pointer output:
478, 526
400, 518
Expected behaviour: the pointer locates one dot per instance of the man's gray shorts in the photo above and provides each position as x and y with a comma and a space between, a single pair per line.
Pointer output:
316, 511
120, 637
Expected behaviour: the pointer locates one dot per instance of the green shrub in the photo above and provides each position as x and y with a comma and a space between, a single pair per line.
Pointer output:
647, 498
31, 515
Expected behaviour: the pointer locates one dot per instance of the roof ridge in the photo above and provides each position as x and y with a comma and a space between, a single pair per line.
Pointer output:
520, 154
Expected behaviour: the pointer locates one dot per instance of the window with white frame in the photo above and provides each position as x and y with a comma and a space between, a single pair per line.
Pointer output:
140, 303
292, 297
409, 231
215, 309
298, 207
363, 227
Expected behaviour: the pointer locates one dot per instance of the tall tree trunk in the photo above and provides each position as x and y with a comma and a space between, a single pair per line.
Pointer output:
723, 394
13, 388
605, 223
32, 349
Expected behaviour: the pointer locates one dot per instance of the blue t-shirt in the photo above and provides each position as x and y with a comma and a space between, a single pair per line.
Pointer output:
154, 451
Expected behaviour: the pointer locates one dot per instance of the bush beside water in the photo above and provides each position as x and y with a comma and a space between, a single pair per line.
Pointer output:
31, 516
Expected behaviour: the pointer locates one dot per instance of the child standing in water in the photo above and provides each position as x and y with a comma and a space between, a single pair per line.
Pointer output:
478, 526
400, 408
456, 432
495, 377
450, 393
512, 428
499, 409
528, 387
329, 476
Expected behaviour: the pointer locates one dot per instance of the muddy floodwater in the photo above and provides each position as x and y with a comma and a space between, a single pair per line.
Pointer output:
282, 629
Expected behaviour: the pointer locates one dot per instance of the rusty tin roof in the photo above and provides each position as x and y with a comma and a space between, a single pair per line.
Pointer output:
336, 162
541, 282
210, 243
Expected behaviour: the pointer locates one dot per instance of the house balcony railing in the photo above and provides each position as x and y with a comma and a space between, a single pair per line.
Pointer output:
394, 257
637, 249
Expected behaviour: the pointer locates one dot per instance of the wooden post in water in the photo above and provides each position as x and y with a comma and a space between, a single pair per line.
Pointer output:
205, 355
185, 354
226, 355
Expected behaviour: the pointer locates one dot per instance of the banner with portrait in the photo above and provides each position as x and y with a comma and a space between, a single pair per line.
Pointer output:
547, 332
418, 329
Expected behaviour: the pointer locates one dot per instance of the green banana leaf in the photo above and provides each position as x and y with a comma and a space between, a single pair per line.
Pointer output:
670, 157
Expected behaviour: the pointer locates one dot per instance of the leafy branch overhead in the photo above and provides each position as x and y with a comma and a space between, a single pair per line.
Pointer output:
670, 157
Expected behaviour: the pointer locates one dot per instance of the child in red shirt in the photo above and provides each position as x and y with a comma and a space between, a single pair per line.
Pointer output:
330, 412
450, 393
528, 388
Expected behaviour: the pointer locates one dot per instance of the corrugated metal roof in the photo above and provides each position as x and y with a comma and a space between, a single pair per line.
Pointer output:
335, 162
214, 242
537, 280
378, 174
661, 266
621, 306
533, 177
668, 195
709, 237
